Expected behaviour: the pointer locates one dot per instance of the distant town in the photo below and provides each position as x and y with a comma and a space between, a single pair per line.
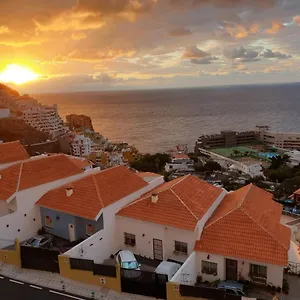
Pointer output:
168, 225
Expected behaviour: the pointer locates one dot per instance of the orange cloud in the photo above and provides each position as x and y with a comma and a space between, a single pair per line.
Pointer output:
70, 21
78, 36
4, 29
276, 26
240, 31
254, 28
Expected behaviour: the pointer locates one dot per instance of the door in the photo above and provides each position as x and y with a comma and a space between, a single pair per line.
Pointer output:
157, 249
71, 232
231, 269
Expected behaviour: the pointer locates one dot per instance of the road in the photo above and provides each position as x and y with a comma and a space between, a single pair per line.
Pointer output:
11, 289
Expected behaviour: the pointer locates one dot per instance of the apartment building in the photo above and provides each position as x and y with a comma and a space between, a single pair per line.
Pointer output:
4, 112
80, 145
44, 118
286, 140
79, 121
226, 139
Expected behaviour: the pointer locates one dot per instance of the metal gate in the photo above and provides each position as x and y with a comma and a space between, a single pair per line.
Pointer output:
39, 259
157, 249
144, 283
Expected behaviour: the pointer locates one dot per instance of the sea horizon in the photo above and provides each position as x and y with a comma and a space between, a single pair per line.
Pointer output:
158, 120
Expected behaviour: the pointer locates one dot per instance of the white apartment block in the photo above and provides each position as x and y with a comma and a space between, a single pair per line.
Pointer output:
44, 118
286, 140
81, 145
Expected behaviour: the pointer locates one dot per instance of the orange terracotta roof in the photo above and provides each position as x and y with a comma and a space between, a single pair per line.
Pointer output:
94, 192
11, 152
34, 172
147, 174
181, 203
80, 161
246, 225
180, 156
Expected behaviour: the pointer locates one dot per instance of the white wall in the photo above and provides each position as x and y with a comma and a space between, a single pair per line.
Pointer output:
145, 232
274, 273
105, 241
25, 222
208, 214
188, 272
3, 208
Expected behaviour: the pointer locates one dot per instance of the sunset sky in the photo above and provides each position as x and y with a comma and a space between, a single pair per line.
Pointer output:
82, 45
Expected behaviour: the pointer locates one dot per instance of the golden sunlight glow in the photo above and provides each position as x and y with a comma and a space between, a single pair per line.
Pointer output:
17, 74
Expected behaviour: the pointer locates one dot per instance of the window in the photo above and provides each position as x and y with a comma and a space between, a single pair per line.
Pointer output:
181, 247
258, 271
89, 229
209, 267
48, 222
129, 239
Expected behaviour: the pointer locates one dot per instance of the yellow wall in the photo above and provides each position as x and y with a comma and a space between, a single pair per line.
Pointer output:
88, 276
174, 294
12, 257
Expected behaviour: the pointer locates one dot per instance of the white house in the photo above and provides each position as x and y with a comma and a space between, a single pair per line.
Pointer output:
180, 162
117, 186
80, 144
243, 240
165, 223
11, 153
24, 183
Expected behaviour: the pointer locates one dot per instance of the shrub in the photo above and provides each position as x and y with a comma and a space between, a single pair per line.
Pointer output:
285, 286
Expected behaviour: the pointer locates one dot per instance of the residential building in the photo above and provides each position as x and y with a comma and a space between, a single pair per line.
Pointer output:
24, 183
11, 153
285, 140
247, 165
82, 163
294, 158
243, 240
89, 205
165, 223
227, 138
44, 118
80, 145
180, 162
79, 121
4, 111
77, 210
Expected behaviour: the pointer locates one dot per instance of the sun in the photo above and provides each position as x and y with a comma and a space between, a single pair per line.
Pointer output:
17, 74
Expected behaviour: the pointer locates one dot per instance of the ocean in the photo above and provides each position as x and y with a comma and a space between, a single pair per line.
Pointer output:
158, 120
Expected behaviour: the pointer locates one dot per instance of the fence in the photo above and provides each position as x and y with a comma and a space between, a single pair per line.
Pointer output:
39, 259
11, 255
144, 283
87, 271
89, 265
206, 293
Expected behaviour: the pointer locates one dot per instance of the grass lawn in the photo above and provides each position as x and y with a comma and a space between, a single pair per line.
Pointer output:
227, 151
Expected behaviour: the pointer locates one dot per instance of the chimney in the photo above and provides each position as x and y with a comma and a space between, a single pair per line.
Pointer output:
69, 191
0, 176
154, 198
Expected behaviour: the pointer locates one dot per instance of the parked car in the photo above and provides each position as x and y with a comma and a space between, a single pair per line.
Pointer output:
231, 287
168, 268
129, 264
40, 241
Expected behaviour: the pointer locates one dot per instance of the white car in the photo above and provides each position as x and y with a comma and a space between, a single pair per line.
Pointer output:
127, 260
168, 268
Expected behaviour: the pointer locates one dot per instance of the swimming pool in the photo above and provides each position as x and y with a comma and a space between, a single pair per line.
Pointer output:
268, 155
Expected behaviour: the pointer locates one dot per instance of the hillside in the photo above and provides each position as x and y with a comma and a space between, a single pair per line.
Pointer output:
14, 129
8, 91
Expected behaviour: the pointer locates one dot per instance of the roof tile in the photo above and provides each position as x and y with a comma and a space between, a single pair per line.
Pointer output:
11, 152
181, 203
93, 192
247, 225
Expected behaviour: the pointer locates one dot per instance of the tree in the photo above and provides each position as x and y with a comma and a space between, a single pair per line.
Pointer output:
193, 156
212, 165
151, 163
287, 187
278, 161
